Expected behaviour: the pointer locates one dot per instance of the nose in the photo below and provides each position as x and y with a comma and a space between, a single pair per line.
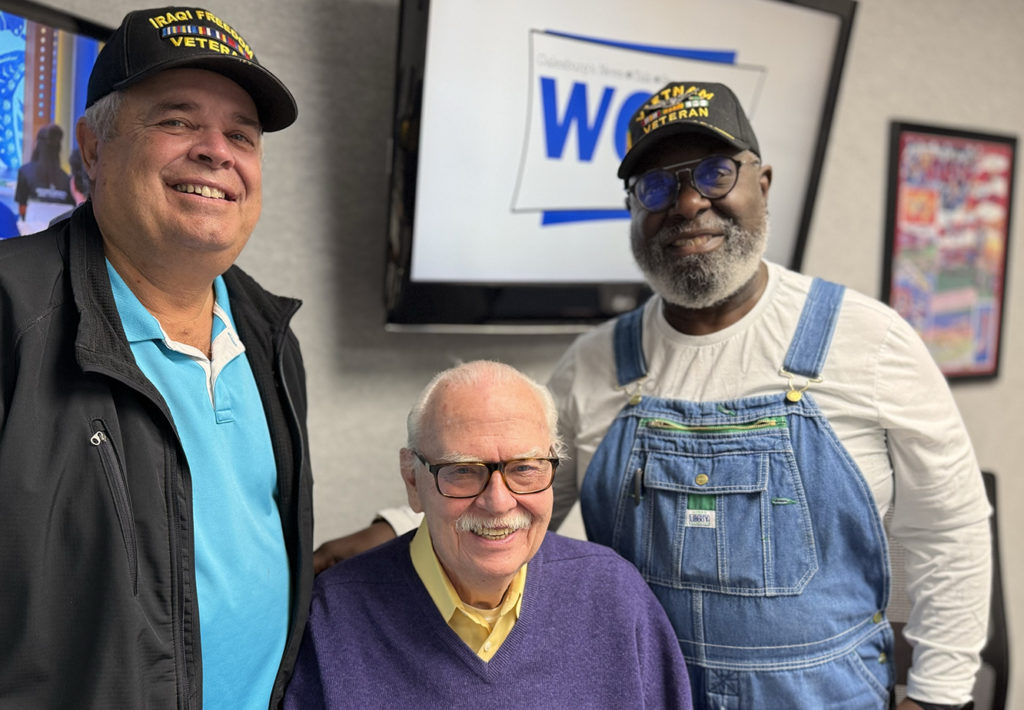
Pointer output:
497, 498
212, 148
688, 203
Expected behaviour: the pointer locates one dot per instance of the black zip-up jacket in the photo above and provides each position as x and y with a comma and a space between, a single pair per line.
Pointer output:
97, 578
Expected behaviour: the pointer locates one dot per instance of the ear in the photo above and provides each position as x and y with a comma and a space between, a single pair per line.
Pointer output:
628, 199
408, 463
88, 144
765, 180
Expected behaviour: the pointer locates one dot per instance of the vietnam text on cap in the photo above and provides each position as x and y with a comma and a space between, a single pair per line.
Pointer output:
687, 107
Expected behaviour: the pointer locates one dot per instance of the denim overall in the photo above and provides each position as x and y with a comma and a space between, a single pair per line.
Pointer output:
756, 531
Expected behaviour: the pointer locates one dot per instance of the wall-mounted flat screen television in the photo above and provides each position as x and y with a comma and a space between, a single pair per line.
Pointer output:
509, 124
46, 56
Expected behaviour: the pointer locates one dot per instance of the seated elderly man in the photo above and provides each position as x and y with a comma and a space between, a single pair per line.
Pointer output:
481, 604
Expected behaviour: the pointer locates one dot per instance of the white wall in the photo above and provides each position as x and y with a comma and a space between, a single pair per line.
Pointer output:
322, 234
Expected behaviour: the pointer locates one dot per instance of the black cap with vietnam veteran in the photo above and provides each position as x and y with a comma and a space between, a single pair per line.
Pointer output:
687, 107
151, 41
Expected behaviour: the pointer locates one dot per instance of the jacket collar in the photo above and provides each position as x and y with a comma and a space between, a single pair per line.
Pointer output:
101, 343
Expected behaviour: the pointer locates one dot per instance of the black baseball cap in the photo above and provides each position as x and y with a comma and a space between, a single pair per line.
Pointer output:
687, 107
151, 41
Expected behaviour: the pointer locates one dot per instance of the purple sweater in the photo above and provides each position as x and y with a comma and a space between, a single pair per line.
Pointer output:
591, 635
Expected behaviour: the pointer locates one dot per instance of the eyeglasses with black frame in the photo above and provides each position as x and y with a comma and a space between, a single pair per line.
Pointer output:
468, 479
712, 177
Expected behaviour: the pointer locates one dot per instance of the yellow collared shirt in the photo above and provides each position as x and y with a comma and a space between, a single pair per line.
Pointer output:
472, 625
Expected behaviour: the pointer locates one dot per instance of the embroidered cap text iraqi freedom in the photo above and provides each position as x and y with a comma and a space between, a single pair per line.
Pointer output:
151, 41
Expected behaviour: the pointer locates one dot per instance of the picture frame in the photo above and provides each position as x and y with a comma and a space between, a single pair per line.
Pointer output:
948, 217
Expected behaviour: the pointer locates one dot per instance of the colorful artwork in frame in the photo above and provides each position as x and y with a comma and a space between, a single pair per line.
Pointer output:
947, 241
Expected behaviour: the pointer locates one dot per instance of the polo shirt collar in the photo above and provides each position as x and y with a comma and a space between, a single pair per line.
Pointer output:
440, 588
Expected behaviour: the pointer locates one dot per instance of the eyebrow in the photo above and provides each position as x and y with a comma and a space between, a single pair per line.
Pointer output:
454, 457
192, 107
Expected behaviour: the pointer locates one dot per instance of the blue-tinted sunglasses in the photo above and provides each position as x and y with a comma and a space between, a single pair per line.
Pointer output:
713, 177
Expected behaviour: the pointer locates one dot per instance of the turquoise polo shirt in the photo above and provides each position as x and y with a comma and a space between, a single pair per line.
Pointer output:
242, 576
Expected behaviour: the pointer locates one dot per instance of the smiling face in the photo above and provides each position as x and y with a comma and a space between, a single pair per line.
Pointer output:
699, 252
181, 181
481, 542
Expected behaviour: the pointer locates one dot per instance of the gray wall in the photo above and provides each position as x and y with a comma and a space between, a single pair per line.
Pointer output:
322, 233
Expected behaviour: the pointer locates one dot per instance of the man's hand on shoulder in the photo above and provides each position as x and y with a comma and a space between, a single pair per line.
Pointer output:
341, 548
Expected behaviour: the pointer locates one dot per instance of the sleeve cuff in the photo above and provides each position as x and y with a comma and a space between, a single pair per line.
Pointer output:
943, 706
401, 519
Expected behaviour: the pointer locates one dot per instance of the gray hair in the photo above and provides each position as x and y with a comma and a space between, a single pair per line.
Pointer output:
483, 373
101, 117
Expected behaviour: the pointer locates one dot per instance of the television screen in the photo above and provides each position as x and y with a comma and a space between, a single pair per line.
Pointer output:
45, 59
509, 125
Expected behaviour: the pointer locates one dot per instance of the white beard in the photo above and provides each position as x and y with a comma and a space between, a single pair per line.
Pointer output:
702, 280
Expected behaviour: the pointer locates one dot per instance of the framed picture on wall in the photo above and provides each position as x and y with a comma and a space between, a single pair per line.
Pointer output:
947, 238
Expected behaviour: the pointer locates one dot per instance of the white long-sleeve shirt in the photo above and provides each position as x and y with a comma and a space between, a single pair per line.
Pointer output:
889, 405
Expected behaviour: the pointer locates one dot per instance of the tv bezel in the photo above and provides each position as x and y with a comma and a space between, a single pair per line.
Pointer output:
515, 307
34, 112
58, 19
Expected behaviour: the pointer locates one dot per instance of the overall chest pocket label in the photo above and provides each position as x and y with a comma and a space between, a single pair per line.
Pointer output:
700, 511
731, 501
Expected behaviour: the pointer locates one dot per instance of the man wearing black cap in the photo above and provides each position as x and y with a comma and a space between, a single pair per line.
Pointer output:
152, 399
740, 436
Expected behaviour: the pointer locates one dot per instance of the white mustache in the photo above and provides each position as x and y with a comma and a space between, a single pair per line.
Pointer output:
516, 520
669, 233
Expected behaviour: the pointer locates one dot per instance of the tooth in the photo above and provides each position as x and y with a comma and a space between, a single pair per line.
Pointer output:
494, 533
203, 190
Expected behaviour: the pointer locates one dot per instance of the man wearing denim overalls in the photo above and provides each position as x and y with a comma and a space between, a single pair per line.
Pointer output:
743, 433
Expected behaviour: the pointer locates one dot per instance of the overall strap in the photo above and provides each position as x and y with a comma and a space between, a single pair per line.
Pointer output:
813, 336
630, 364
807, 351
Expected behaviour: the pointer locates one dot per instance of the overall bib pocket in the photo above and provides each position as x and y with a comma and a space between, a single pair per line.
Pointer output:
731, 501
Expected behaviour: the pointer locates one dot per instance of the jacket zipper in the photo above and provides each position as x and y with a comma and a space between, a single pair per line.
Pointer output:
122, 502
177, 588
299, 448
